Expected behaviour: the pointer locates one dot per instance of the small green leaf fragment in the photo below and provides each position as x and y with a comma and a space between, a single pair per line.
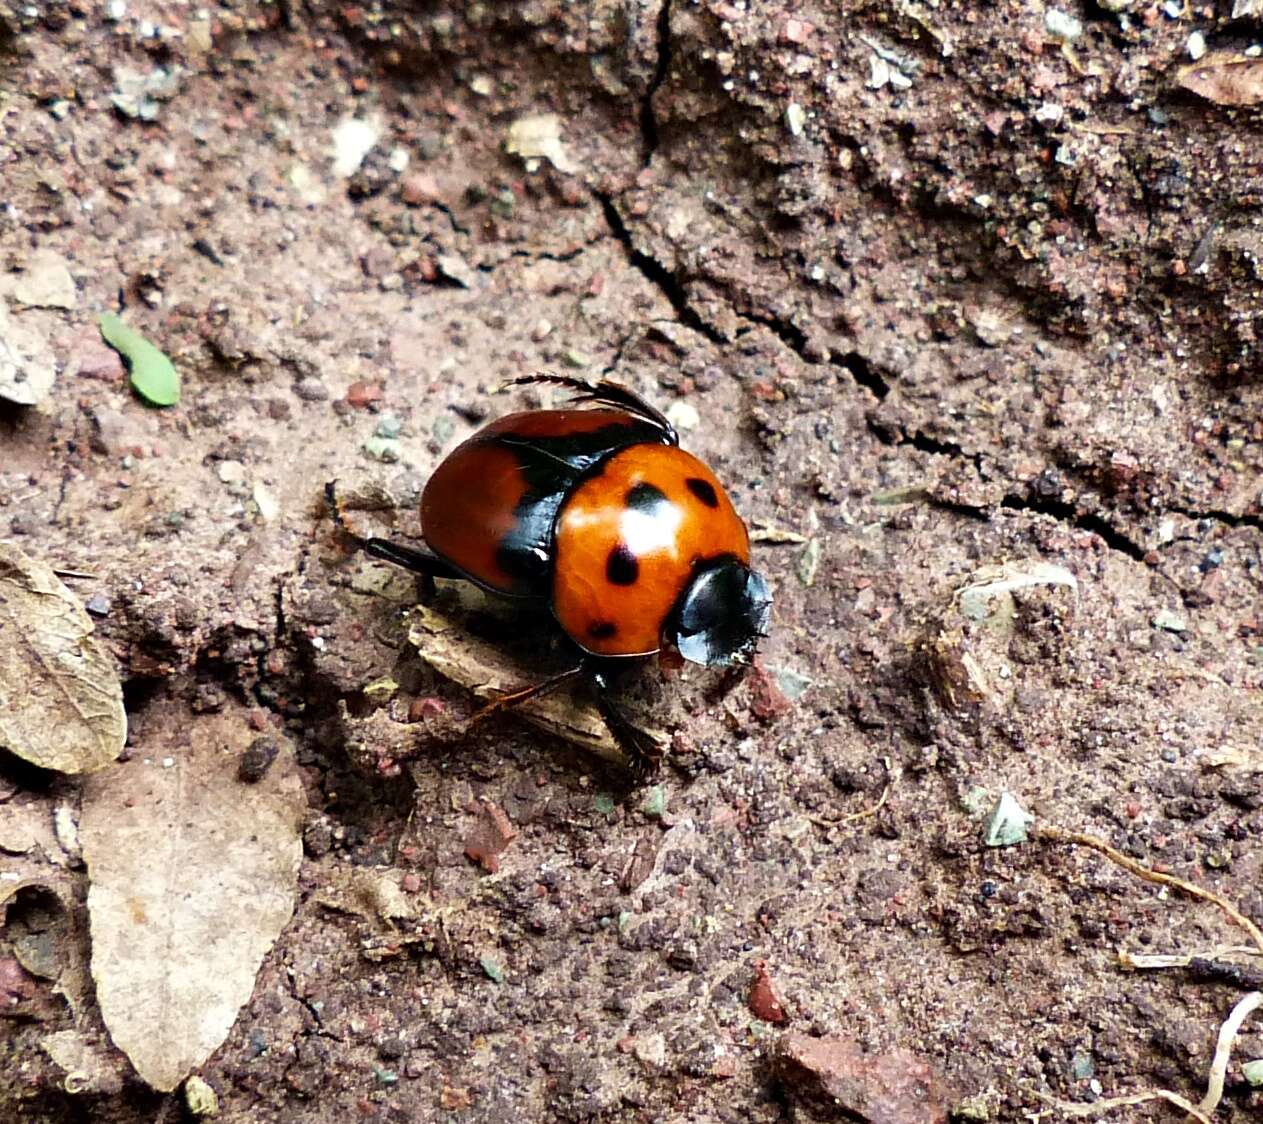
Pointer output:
491, 966
603, 802
153, 375
1253, 1072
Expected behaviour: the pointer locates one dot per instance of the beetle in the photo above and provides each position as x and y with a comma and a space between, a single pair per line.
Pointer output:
594, 510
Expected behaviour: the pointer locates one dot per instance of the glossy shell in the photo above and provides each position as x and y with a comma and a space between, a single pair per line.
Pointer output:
490, 506
628, 539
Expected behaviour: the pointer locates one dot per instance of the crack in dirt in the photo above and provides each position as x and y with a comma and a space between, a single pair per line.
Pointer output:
648, 119
1224, 518
1082, 520
865, 375
656, 273
545, 255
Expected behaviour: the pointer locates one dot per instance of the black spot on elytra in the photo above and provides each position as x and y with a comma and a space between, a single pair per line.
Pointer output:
644, 497
602, 630
621, 566
703, 490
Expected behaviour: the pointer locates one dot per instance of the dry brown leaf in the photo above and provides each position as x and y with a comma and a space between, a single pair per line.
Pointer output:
61, 704
193, 875
483, 669
1224, 77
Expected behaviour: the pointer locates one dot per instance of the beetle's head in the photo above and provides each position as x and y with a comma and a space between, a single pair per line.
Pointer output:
721, 615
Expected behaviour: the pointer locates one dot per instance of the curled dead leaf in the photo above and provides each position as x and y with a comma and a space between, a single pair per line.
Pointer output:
61, 703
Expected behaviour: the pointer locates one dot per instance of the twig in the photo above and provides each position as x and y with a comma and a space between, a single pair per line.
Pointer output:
1223, 1050
1057, 835
1099, 1108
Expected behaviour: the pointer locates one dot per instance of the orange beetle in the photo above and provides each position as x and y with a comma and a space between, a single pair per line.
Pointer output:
598, 512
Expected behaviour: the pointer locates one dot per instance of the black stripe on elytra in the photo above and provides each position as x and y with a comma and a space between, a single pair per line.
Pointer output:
703, 490
621, 566
551, 467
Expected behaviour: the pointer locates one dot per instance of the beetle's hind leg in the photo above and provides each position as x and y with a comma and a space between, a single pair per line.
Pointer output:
418, 561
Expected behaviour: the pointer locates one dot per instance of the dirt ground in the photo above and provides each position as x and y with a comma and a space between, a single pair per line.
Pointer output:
948, 287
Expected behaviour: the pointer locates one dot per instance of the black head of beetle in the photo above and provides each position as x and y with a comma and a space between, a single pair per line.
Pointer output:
721, 615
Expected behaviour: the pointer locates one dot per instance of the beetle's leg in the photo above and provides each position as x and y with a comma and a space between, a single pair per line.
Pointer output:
644, 755
418, 561
535, 691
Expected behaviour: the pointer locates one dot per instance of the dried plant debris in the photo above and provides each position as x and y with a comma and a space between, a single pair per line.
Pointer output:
978, 597
967, 650
61, 703
1161, 878
193, 874
488, 672
539, 137
1225, 78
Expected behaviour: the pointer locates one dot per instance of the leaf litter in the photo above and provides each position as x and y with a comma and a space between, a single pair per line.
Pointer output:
61, 703
193, 875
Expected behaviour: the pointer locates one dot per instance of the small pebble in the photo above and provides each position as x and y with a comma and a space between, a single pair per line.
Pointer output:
99, 605
1061, 25
683, 416
381, 449
231, 472
311, 390
362, 394
442, 430
418, 188
254, 763
388, 427
1196, 45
